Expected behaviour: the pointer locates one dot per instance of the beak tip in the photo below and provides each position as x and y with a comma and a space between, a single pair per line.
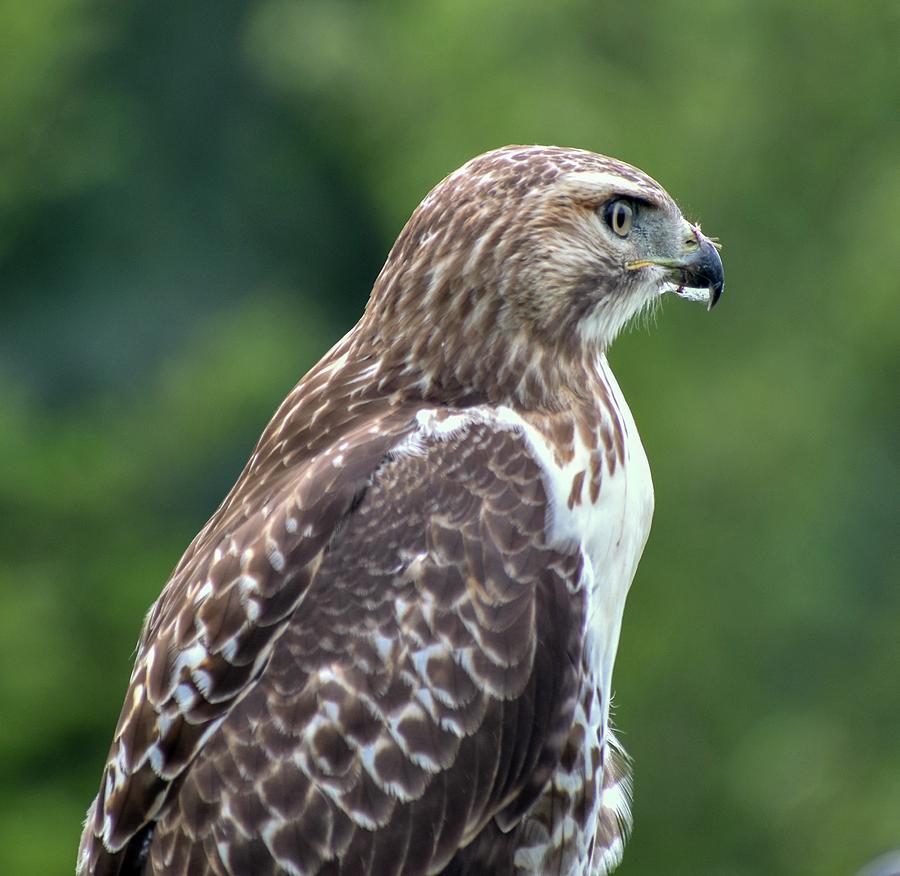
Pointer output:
705, 269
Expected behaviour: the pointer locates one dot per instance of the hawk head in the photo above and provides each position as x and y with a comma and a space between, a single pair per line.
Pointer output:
525, 257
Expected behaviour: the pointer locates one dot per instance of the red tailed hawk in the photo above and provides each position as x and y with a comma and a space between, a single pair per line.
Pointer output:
390, 650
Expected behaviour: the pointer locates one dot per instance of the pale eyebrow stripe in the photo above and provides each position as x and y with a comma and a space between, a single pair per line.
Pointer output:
610, 182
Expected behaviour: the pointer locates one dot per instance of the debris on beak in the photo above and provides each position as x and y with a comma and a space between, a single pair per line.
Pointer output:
689, 293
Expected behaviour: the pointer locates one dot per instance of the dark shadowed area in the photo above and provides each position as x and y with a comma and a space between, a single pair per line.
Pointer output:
194, 201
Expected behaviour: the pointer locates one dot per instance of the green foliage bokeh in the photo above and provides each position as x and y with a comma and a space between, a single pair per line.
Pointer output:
194, 201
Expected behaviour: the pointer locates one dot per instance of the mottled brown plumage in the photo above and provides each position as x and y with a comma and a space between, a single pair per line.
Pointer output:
389, 650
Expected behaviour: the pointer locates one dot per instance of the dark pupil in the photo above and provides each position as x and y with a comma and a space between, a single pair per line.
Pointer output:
620, 217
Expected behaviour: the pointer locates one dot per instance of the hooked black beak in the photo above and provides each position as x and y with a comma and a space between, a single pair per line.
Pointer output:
702, 269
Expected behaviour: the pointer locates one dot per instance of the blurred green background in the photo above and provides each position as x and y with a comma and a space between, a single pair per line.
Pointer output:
194, 201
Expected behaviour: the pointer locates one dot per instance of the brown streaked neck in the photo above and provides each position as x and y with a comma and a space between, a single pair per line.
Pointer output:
513, 370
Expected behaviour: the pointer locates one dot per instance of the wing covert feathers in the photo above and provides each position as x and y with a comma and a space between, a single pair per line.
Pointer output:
400, 674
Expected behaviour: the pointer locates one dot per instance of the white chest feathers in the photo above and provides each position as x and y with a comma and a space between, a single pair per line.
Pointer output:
601, 498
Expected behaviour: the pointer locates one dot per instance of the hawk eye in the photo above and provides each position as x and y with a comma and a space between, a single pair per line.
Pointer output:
619, 216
